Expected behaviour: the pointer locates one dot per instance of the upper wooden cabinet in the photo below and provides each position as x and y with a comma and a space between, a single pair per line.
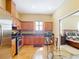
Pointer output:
8, 5
11, 7
30, 26
48, 26
27, 25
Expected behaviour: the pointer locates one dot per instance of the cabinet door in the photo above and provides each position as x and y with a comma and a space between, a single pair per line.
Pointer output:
8, 5
11, 7
48, 26
38, 40
28, 25
27, 40
41, 40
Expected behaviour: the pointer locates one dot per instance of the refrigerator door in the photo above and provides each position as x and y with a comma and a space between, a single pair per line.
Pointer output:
6, 41
5, 34
0, 34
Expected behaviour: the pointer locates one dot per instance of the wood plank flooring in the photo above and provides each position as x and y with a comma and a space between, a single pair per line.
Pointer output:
26, 52
30, 52
5, 52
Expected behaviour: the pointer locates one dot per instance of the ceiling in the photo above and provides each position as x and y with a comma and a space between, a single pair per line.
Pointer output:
37, 6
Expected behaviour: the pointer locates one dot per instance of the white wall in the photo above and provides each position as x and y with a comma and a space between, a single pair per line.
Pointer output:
70, 23
33, 17
68, 7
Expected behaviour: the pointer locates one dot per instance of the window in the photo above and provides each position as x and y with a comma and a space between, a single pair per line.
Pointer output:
38, 26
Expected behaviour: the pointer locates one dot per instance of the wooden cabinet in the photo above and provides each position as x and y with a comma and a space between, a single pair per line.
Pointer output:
11, 7
8, 5
29, 25
27, 40
48, 26
34, 39
30, 40
39, 40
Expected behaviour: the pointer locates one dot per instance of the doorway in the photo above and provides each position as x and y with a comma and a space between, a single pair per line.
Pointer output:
69, 34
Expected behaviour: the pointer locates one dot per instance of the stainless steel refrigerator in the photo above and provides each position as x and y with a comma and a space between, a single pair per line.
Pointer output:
5, 32
5, 39
0, 34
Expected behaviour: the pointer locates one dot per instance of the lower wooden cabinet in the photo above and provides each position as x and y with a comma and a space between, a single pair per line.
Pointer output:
29, 40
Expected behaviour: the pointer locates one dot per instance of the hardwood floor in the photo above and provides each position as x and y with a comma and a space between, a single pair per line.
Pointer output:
5, 52
26, 52
30, 52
